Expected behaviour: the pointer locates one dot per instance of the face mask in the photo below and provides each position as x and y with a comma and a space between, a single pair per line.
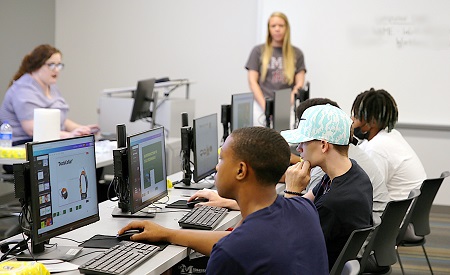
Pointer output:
359, 134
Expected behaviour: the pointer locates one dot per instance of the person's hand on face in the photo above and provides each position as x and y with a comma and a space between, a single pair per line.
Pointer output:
298, 176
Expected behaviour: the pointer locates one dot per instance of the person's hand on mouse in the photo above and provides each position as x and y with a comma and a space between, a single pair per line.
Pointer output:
152, 231
81, 131
214, 199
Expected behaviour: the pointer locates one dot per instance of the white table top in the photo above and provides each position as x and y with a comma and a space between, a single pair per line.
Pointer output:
103, 154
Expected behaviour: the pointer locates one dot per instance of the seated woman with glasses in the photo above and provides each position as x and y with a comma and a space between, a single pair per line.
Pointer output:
34, 86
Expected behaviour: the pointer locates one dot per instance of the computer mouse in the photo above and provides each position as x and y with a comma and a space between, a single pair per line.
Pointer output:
125, 236
191, 204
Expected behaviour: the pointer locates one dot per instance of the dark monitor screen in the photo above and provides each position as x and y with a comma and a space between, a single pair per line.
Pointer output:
63, 186
205, 139
282, 110
147, 168
241, 110
143, 98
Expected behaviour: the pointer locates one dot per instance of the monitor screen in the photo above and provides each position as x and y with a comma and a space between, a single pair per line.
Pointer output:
205, 139
143, 98
241, 110
282, 110
63, 186
147, 168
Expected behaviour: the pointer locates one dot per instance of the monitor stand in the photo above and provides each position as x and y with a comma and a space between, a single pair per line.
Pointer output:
118, 213
64, 253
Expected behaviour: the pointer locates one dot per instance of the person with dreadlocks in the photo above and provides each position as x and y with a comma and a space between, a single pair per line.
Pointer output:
374, 114
274, 65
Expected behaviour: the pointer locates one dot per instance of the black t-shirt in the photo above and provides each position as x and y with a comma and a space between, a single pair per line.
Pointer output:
344, 206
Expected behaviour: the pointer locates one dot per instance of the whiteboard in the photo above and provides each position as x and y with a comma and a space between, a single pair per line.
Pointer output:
353, 45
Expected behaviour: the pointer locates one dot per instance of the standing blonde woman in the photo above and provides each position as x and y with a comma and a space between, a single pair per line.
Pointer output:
274, 65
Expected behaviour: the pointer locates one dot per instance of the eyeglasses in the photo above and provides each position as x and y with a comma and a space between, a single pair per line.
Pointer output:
53, 66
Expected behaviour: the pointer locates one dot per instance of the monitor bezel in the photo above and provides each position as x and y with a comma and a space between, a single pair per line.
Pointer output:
143, 97
234, 99
34, 190
137, 207
281, 110
196, 176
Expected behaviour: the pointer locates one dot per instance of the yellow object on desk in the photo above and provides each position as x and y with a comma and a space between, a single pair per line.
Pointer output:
13, 153
169, 184
22, 268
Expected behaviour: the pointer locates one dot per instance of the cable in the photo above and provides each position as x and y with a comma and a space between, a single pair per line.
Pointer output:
63, 238
17, 248
111, 184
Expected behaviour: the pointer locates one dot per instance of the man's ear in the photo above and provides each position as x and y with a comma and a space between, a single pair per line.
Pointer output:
324, 146
242, 170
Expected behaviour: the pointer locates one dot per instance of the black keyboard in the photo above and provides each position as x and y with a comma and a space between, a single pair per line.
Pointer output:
203, 217
119, 259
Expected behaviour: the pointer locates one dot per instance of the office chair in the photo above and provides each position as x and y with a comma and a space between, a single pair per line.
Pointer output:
350, 252
380, 253
417, 222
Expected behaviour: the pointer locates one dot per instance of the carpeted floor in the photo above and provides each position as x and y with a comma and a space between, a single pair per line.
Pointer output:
437, 247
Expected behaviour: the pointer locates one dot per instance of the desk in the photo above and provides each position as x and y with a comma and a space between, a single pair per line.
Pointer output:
161, 261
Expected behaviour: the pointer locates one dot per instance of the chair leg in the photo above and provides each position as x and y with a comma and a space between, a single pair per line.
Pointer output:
428, 261
399, 260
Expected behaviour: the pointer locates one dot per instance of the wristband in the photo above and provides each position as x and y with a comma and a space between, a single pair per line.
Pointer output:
292, 193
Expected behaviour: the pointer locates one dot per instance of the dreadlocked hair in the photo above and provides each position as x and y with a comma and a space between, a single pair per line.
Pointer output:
378, 106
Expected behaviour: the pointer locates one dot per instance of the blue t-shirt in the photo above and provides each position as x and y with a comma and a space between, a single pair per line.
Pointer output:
284, 238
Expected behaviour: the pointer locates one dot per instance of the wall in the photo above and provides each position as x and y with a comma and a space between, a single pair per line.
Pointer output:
23, 25
108, 44
402, 46
433, 149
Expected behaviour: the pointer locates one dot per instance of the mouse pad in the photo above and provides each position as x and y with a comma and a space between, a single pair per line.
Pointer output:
105, 242
181, 204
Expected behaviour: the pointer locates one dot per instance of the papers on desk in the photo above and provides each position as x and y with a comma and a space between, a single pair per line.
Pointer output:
104, 146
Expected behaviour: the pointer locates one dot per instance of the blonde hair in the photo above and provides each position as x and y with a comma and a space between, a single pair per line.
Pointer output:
287, 49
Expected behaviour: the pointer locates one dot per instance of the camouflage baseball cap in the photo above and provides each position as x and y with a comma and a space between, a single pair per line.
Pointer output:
321, 122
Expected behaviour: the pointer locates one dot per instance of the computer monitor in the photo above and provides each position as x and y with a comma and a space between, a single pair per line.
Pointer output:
241, 110
281, 110
205, 146
145, 100
146, 176
202, 140
147, 168
63, 189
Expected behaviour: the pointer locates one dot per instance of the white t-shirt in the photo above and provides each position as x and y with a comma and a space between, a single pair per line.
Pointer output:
398, 163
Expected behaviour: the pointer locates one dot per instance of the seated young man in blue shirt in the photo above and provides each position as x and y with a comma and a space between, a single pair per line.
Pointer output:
344, 197
276, 235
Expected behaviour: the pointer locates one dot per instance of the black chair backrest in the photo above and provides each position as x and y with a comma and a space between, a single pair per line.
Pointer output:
383, 239
420, 213
351, 249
